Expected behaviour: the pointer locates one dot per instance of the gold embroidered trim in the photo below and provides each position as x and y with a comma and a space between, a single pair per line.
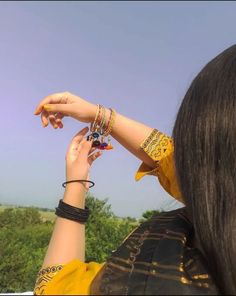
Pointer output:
166, 235
153, 263
154, 272
44, 276
200, 276
157, 145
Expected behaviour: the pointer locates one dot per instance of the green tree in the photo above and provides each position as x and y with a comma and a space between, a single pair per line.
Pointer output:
104, 231
22, 251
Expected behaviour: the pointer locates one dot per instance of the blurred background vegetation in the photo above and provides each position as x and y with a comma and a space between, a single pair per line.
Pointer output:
25, 233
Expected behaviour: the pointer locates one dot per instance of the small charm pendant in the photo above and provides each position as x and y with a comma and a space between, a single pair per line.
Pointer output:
95, 135
96, 143
108, 147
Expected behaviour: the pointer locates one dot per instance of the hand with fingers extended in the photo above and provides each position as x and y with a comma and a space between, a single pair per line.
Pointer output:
56, 106
80, 156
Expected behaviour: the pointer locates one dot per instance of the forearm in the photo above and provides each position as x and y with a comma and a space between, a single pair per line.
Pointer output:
68, 238
130, 134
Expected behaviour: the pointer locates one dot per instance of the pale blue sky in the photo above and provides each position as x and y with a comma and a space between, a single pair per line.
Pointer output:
137, 57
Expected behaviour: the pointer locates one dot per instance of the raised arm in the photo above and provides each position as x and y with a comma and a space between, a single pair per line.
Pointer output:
68, 238
127, 132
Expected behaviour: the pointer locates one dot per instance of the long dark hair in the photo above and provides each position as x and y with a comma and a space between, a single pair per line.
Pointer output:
205, 159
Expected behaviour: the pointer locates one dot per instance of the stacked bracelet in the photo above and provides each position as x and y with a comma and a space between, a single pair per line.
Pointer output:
99, 129
67, 211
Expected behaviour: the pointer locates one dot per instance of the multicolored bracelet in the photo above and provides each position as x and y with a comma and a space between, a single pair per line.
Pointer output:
99, 129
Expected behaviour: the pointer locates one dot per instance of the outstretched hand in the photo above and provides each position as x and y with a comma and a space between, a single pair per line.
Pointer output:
56, 106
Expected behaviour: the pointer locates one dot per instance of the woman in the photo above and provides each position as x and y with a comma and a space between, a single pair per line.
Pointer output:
186, 251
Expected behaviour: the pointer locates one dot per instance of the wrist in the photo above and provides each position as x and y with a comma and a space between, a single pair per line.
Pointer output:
75, 194
75, 186
76, 172
94, 110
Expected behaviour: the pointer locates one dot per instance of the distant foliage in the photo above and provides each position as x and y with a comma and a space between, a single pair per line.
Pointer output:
24, 238
22, 251
148, 215
11, 217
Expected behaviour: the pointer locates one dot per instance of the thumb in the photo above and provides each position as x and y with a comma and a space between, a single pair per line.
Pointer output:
65, 109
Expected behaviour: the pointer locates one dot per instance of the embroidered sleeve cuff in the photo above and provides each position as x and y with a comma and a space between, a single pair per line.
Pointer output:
157, 145
44, 276
160, 148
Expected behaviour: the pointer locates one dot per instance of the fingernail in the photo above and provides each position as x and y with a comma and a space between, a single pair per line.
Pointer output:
47, 107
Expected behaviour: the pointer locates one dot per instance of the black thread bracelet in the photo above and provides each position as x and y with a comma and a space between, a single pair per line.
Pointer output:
62, 214
70, 212
73, 181
69, 208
